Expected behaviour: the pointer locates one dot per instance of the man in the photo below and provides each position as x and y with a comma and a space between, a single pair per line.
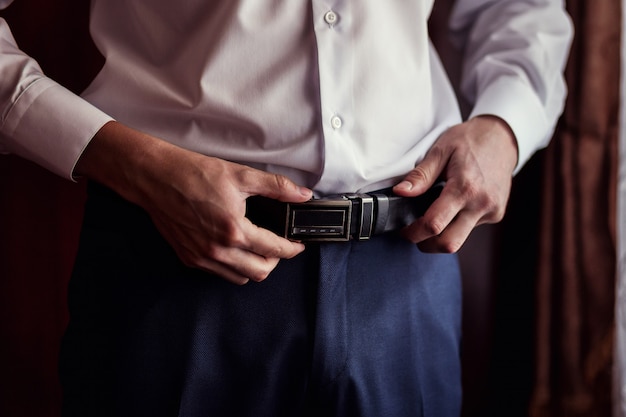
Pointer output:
203, 104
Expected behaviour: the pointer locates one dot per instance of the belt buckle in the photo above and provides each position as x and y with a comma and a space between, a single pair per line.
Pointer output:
334, 219
323, 220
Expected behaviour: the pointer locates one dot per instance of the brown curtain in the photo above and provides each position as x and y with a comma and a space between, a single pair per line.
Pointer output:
576, 278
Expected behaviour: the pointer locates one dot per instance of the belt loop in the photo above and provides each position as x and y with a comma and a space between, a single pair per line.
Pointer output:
367, 216
363, 214
382, 212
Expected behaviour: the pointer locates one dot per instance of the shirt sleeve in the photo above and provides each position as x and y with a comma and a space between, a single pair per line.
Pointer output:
514, 54
39, 119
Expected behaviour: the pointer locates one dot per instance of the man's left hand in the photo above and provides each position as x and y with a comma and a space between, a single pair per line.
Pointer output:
476, 159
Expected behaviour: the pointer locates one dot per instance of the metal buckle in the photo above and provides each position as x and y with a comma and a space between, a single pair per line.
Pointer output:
331, 219
319, 220
364, 204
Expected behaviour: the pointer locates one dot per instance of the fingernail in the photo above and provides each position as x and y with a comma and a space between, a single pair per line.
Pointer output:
305, 191
404, 185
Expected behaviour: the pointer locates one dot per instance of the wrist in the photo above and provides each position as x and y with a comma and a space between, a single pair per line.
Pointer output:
508, 146
116, 157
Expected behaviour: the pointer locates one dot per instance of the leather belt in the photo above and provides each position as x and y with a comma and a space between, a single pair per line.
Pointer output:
340, 218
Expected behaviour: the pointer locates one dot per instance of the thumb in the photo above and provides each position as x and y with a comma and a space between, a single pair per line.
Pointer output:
279, 187
422, 177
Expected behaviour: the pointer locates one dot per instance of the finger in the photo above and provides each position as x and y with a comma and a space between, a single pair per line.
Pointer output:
268, 244
192, 259
424, 175
223, 272
259, 255
239, 266
452, 238
436, 219
274, 186
234, 264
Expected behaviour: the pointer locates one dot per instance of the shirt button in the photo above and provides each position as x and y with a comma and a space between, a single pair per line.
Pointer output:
331, 17
336, 122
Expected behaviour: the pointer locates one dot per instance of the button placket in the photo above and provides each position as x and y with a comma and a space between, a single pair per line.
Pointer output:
335, 41
331, 18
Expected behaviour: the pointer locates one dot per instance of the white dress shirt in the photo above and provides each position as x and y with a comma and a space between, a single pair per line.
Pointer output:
339, 95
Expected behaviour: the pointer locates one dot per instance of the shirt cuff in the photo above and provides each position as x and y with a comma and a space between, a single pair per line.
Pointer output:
51, 126
517, 104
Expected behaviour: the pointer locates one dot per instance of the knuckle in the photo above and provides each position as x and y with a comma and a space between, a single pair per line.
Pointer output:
282, 182
439, 245
275, 251
482, 200
469, 190
451, 246
259, 276
237, 238
419, 173
491, 203
246, 175
493, 208
434, 227
232, 235
497, 215
212, 252
263, 271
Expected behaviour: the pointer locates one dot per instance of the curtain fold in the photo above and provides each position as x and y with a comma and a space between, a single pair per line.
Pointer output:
575, 287
619, 379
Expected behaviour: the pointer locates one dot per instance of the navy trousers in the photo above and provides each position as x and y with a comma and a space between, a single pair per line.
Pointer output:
344, 329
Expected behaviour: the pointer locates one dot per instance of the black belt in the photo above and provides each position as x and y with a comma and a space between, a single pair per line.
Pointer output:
340, 218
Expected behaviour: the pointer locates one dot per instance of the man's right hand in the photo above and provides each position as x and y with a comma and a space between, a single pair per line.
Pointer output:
197, 202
